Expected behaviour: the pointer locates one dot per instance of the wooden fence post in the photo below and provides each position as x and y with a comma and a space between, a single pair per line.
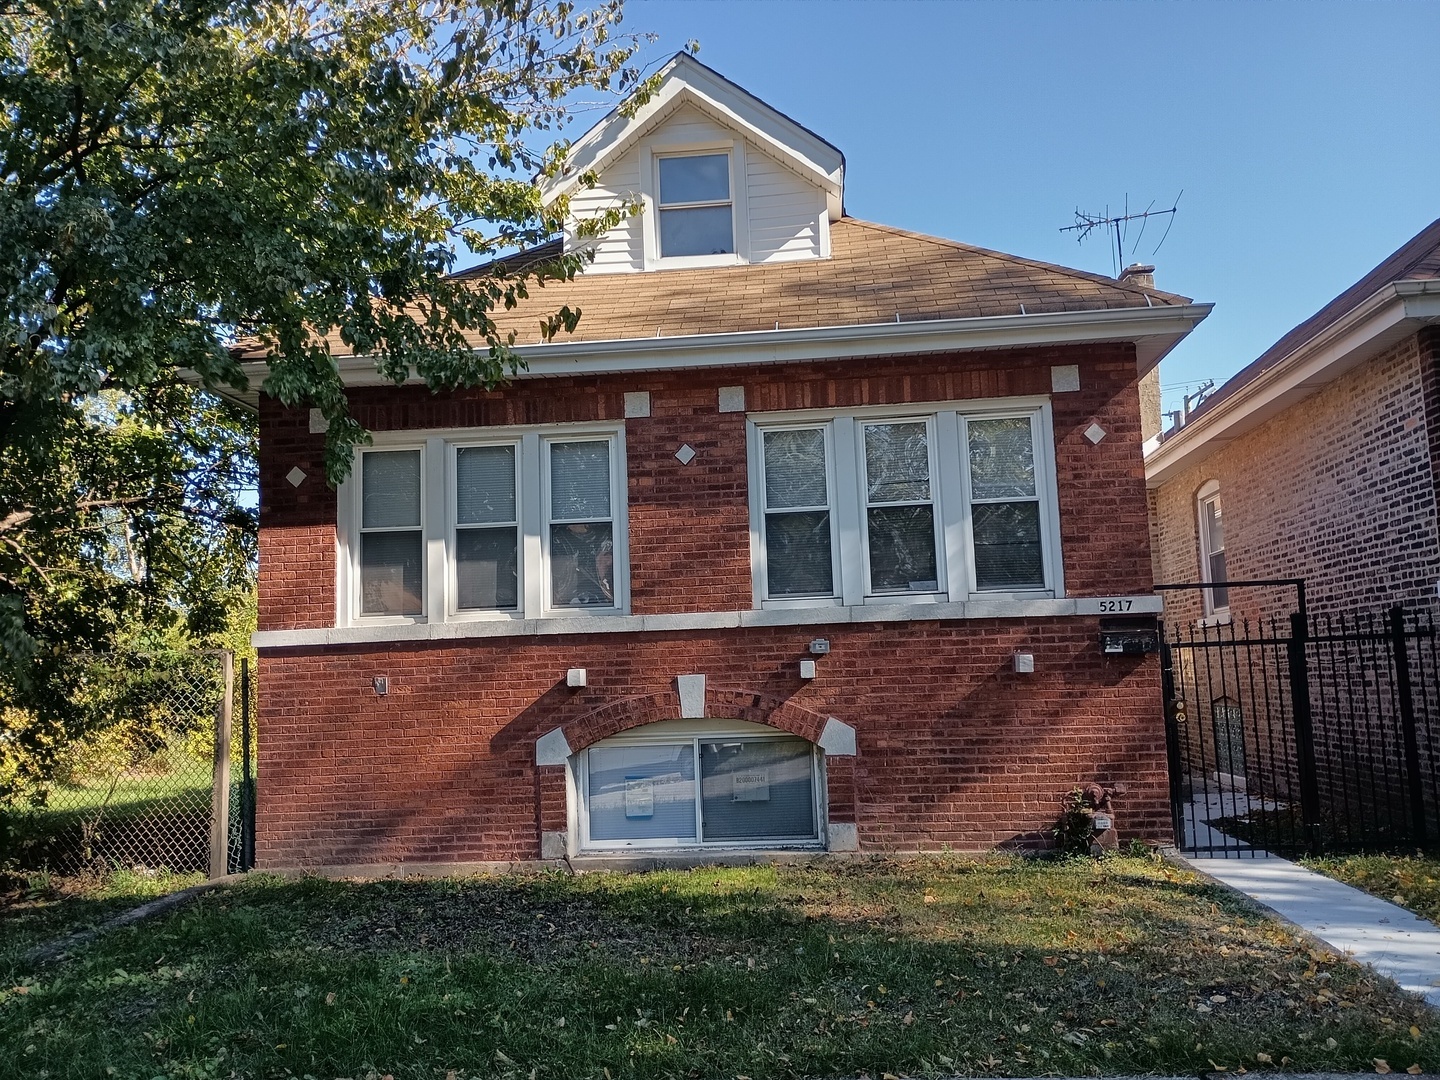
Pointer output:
220, 801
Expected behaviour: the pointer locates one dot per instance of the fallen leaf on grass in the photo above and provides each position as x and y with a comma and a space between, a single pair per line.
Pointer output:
1414, 1032
1381, 1065
1264, 1059
330, 998
1414, 1070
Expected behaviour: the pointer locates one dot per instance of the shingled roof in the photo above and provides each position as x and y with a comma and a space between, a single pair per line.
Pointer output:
875, 274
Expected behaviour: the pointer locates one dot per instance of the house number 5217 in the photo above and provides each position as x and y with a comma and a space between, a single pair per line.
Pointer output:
1113, 607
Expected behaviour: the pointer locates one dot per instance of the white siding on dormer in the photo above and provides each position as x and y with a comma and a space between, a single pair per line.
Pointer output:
783, 216
785, 211
622, 249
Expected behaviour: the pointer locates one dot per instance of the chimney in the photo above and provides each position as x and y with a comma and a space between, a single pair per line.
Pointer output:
1140, 274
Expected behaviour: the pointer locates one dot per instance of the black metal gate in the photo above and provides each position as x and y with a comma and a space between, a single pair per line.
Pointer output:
1303, 734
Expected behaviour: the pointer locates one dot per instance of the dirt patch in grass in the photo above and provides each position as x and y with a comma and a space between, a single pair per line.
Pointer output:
924, 967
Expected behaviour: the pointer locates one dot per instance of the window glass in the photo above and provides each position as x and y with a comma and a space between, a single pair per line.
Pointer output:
642, 792
688, 226
900, 519
391, 489
694, 178
1005, 505
757, 789
798, 541
391, 540
579, 480
701, 230
1212, 530
390, 573
487, 569
1002, 458
1007, 545
485, 484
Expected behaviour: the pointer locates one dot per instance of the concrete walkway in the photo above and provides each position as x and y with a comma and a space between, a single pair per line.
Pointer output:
1373, 931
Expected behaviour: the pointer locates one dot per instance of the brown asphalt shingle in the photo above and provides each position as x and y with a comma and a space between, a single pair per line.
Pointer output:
875, 273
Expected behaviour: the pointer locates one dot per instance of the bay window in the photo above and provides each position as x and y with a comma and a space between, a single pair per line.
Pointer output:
484, 525
905, 505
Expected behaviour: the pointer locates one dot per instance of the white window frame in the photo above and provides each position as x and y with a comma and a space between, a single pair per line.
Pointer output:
453, 527
438, 516
757, 488
617, 487
949, 489
1208, 493
905, 596
357, 515
650, 155
669, 733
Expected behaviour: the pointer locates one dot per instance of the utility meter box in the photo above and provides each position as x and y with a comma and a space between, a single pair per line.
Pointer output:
1129, 637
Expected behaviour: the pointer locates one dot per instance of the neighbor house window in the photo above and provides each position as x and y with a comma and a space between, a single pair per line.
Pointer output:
519, 526
694, 207
1211, 527
391, 556
946, 504
653, 789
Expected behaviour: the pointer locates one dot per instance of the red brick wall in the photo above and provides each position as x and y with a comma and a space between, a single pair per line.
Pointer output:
954, 748
1338, 489
690, 523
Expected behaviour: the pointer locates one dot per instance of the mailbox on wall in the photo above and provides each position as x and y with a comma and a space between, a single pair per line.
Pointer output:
1129, 637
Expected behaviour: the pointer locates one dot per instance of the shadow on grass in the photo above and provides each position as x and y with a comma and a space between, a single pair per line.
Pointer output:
1001, 966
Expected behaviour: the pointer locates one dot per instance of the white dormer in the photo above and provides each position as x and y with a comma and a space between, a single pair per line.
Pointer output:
724, 179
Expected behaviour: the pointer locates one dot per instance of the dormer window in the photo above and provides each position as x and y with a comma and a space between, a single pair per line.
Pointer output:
696, 211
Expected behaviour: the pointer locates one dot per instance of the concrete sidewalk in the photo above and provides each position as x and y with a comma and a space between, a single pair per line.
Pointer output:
1373, 931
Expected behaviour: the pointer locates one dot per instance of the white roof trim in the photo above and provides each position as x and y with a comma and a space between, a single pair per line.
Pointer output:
1395, 311
687, 81
1155, 331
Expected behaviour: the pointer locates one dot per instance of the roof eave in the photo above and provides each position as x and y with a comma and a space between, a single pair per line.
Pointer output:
1154, 331
1391, 313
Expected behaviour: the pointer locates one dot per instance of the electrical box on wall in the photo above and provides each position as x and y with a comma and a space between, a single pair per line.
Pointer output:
1129, 637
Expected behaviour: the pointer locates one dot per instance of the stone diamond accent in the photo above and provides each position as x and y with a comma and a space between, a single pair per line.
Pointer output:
1095, 433
685, 454
296, 476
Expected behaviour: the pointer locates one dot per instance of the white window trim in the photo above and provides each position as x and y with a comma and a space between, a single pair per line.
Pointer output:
863, 475
438, 517
1215, 614
949, 490
351, 507
695, 732
650, 155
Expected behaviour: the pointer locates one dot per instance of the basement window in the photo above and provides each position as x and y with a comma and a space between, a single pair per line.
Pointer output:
665, 788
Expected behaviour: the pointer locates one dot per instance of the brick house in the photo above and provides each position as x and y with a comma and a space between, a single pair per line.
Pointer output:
1324, 453
802, 541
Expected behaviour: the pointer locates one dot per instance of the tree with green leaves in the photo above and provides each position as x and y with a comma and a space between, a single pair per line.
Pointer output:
177, 176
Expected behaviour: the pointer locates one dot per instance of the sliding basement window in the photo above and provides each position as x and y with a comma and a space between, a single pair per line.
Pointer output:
668, 788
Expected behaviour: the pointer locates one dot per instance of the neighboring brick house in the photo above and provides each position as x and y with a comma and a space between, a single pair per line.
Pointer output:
1324, 455
760, 557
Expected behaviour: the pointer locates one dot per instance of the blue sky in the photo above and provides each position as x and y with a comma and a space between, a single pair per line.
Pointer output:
1306, 136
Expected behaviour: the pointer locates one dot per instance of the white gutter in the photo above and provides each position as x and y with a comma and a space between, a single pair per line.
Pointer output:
1391, 313
1155, 329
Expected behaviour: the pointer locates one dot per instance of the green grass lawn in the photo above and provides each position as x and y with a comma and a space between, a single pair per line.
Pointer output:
927, 966
1411, 881
36, 908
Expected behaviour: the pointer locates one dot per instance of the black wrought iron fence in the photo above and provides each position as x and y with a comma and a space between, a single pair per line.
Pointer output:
151, 785
1304, 734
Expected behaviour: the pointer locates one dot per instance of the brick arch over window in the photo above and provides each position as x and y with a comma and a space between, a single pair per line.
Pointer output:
720, 704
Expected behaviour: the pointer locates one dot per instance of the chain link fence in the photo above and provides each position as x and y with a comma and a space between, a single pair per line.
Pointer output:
146, 787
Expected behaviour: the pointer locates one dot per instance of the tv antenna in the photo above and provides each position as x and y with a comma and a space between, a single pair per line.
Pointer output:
1119, 226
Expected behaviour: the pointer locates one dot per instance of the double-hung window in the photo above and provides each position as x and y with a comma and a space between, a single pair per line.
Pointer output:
392, 552
695, 210
1211, 527
946, 502
492, 524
